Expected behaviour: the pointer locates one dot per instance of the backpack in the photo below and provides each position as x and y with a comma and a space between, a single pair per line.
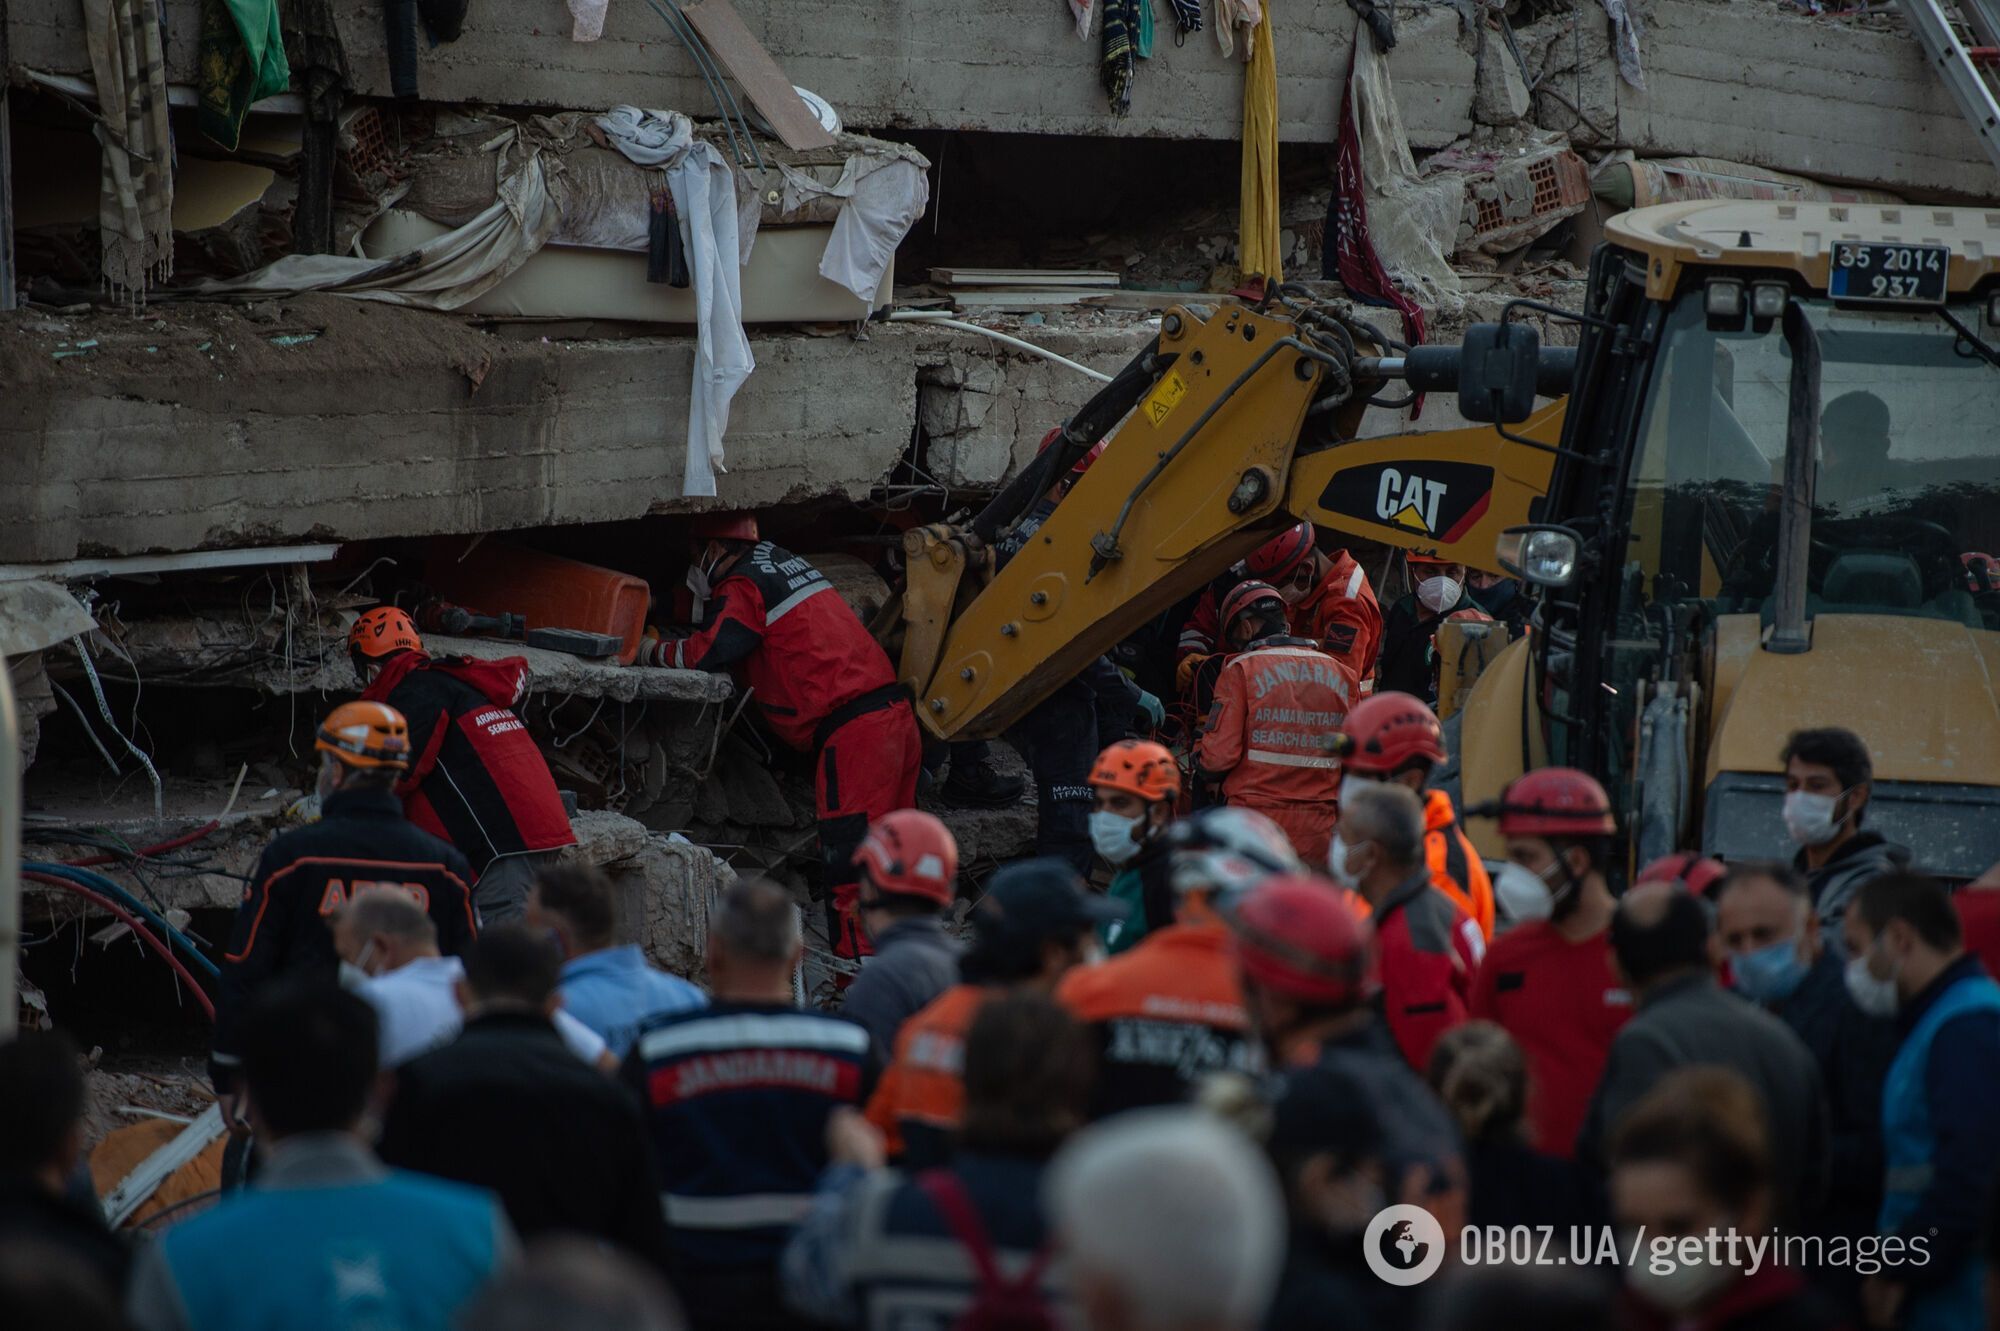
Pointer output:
999, 1304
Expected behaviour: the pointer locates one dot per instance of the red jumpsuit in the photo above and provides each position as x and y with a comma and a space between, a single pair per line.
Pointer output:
1340, 616
1428, 954
825, 687
1275, 705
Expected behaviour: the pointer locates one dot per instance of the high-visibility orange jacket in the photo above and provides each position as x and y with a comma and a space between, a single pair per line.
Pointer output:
1275, 706
1456, 869
1162, 1016
921, 1097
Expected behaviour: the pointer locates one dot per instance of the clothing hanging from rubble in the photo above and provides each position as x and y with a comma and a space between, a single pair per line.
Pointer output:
313, 37
881, 198
135, 201
1187, 18
443, 20
1257, 228
241, 60
1230, 15
1085, 12
1121, 36
587, 19
704, 193
1626, 30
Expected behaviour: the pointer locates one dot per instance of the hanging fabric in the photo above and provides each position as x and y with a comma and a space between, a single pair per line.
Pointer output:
135, 201
1257, 221
241, 60
1145, 43
1121, 34
1187, 18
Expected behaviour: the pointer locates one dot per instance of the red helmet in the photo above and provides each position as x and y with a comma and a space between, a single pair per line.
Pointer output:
1082, 463
1274, 560
910, 853
1555, 802
1698, 874
1245, 595
383, 630
1138, 767
725, 527
1982, 571
1297, 937
1385, 731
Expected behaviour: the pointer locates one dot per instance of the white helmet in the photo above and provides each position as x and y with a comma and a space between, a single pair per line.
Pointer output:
1224, 850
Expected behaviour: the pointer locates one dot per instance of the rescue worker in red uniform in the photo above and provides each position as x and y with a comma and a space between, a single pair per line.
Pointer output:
306, 875
822, 684
1275, 703
1427, 950
1327, 597
1394, 737
1170, 1011
476, 777
1550, 982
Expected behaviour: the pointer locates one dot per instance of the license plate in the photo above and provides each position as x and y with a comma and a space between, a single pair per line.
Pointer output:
1889, 274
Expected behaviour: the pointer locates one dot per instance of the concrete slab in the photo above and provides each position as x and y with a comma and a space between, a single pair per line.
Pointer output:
1013, 66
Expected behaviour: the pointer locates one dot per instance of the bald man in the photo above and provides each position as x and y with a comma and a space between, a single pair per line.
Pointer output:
1660, 938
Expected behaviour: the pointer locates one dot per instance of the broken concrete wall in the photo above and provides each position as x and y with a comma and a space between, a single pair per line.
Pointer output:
1013, 66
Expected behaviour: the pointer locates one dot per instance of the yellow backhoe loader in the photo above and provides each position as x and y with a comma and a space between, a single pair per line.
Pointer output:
1777, 436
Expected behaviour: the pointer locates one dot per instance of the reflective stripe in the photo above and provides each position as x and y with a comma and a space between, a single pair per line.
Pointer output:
751, 1211
680, 646
1288, 759
748, 1031
1285, 651
1354, 583
791, 603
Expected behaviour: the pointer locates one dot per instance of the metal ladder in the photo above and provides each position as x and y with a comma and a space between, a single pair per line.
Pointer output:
1967, 67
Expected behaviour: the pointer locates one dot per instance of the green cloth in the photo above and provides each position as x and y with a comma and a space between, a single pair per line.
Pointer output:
242, 61
1145, 43
1122, 935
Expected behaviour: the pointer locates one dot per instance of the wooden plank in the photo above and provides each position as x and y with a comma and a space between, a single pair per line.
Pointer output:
1019, 300
1023, 277
746, 60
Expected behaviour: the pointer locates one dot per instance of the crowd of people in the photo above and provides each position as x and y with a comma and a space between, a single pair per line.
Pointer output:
1201, 1066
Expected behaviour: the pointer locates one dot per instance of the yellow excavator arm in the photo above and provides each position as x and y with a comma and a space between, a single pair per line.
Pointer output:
1225, 430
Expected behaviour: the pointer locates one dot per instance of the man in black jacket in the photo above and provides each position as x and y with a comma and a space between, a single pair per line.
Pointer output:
283, 924
41, 1144
507, 1106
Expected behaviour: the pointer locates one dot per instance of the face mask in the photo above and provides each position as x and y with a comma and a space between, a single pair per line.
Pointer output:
1350, 783
352, 977
1111, 836
1438, 594
1336, 864
1520, 895
1769, 974
1809, 818
1876, 997
1681, 1288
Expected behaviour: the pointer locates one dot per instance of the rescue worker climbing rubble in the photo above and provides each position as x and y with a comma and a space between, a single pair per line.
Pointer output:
1275, 703
1136, 785
821, 683
306, 875
475, 776
1395, 738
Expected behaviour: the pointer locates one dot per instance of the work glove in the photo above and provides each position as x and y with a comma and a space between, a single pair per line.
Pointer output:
1155, 710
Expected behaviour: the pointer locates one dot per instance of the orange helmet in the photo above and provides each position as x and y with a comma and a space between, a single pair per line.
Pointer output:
725, 527
1444, 561
909, 853
1138, 767
383, 630
365, 734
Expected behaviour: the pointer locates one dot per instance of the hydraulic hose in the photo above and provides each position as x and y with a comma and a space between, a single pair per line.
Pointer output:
132, 922
99, 885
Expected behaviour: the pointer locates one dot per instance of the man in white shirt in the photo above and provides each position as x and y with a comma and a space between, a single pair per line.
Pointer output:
389, 956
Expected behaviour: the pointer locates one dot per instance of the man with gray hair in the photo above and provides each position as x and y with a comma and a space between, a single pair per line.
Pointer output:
737, 1097
1170, 1220
1428, 951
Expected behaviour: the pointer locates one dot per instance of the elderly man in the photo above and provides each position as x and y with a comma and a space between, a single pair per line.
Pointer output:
1429, 951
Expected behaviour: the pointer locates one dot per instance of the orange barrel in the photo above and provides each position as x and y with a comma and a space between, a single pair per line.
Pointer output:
550, 591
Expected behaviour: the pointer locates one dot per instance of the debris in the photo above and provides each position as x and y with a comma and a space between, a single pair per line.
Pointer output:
746, 60
141, 1183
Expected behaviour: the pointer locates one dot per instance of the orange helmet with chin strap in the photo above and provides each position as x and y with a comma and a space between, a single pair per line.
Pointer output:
369, 735
382, 631
1138, 767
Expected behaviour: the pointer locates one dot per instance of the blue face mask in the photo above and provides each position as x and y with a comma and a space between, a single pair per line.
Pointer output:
1769, 974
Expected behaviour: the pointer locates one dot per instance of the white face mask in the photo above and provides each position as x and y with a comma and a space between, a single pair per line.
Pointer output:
1113, 836
1809, 818
1681, 1288
1350, 783
1521, 894
1874, 996
1438, 594
1336, 864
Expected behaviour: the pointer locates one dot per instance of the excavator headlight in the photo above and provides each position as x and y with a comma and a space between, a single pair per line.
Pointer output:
1768, 299
1993, 312
1544, 555
1722, 299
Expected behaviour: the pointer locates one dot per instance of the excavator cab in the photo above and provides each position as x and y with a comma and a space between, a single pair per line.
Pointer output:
1780, 456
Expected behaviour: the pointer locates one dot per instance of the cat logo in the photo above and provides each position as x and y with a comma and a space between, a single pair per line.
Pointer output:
1410, 501
1443, 501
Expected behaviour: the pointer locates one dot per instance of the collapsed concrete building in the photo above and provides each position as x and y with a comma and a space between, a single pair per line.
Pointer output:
206, 484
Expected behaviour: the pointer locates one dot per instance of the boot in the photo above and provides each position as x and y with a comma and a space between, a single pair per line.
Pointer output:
981, 785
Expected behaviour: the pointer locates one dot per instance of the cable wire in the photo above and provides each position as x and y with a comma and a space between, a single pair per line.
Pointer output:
139, 930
